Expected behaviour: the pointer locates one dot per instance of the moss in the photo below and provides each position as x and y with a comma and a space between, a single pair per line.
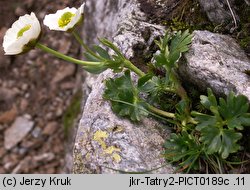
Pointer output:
72, 112
244, 29
244, 43
188, 15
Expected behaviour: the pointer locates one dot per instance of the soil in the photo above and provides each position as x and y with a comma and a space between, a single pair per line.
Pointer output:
38, 90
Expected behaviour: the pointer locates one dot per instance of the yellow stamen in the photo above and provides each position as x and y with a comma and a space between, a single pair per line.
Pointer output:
65, 19
24, 29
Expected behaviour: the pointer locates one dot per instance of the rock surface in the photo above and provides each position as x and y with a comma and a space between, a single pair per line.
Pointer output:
219, 12
216, 61
104, 140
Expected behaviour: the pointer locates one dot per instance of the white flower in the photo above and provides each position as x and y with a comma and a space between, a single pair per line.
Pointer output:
22, 35
65, 19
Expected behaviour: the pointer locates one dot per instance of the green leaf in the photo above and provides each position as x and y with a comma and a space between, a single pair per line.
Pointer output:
97, 69
102, 52
234, 111
182, 147
204, 120
171, 47
90, 57
155, 87
219, 131
110, 45
208, 101
124, 98
144, 79
220, 140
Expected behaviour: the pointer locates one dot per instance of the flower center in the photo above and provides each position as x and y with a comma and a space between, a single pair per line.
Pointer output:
65, 19
24, 29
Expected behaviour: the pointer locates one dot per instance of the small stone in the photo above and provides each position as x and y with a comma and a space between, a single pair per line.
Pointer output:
27, 144
7, 94
10, 161
27, 95
2, 152
36, 132
50, 128
59, 112
24, 87
67, 85
8, 166
58, 148
24, 166
27, 116
46, 157
24, 104
65, 46
22, 151
51, 171
64, 72
49, 116
32, 144
8, 116
33, 54
19, 129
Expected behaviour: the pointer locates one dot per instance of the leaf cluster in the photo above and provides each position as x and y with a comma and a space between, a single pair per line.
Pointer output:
171, 47
183, 147
125, 97
100, 54
215, 136
220, 129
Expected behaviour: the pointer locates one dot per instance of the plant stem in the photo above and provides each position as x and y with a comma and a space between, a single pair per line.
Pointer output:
65, 57
161, 112
80, 41
180, 91
132, 67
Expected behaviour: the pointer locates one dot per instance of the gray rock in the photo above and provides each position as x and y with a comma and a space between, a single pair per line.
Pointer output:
216, 61
219, 12
104, 140
18, 130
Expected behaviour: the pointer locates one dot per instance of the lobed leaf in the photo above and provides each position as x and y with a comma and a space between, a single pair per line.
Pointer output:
223, 141
124, 98
219, 130
183, 147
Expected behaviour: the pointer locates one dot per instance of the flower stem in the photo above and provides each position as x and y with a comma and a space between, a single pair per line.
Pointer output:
161, 112
132, 67
65, 57
80, 41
